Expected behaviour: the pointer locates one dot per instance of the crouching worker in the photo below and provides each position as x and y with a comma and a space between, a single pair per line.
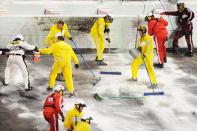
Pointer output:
145, 46
52, 107
16, 57
83, 125
74, 116
62, 53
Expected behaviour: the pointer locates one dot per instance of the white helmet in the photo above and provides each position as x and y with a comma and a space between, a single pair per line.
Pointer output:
58, 88
180, 2
20, 36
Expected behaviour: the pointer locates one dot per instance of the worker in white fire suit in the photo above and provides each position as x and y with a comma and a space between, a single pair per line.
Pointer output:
17, 57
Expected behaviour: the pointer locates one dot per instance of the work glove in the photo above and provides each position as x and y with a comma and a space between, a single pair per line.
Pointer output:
62, 117
36, 49
70, 38
162, 13
139, 49
108, 40
107, 30
76, 66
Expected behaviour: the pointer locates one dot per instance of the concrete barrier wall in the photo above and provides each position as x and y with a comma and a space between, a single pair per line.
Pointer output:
28, 18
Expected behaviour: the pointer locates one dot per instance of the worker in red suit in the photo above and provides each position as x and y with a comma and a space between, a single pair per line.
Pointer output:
157, 29
185, 17
52, 107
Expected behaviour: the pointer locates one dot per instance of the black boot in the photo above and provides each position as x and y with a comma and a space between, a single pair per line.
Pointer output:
190, 54
158, 65
96, 59
100, 62
3, 82
165, 59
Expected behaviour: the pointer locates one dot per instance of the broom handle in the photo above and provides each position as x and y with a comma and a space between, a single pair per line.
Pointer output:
124, 97
109, 58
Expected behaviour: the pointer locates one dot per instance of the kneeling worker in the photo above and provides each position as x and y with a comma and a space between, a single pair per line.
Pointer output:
74, 116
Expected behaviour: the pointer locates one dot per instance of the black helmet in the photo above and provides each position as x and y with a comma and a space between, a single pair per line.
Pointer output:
142, 29
80, 105
108, 17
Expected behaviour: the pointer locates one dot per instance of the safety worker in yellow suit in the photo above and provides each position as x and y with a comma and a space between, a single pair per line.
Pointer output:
83, 125
98, 33
62, 53
59, 29
145, 46
74, 116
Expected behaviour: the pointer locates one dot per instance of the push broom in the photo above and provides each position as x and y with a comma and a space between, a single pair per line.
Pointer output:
95, 78
100, 98
153, 90
110, 72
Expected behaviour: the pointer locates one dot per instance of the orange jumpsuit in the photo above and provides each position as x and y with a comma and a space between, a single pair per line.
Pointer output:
157, 29
52, 107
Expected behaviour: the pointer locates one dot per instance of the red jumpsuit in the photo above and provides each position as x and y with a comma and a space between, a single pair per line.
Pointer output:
184, 19
52, 107
157, 28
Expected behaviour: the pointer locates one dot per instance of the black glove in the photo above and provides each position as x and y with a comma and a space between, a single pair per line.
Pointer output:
107, 30
70, 38
139, 49
108, 39
76, 66
36, 49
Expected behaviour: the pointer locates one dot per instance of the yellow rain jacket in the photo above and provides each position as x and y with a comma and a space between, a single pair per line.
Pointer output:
147, 50
82, 126
98, 36
72, 118
62, 53
54, 33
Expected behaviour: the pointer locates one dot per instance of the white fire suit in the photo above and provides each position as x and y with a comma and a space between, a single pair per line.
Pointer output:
16, 56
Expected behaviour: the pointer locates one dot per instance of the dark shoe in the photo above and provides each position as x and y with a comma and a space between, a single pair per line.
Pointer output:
3, 82
96, 59
165, 59
60, 77
100, 62
190, 54
158, 65
132, 79
49, 88
72, 94
29, 89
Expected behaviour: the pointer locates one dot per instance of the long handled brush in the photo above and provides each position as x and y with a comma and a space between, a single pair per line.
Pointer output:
97, 79
110, 72
154, 92
100, 98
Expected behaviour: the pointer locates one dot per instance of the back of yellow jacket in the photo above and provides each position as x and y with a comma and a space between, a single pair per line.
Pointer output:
61, 51
72, 117
146, 44
54, 33
99, 27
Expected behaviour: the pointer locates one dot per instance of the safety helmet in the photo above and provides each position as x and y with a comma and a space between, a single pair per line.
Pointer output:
19, 37
148, 17
142, 29
108, 17
180, 3
79, 105
59, 89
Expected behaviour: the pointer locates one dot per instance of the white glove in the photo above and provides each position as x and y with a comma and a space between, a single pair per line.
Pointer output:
1, 52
